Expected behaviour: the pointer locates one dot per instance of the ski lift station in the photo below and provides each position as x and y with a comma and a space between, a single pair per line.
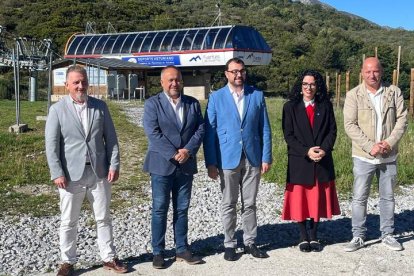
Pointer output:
196, 51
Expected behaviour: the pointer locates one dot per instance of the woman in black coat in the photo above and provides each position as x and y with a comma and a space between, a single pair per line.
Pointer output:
309, 129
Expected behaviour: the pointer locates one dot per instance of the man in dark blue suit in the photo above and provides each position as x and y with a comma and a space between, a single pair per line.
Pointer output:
175, 129
238, 148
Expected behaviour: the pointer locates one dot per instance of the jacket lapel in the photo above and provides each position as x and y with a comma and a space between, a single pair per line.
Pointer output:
229, 99
364, 94
388, 97
72, 110
185, 105
317, 120
168, 109
91, 106
303, 120
247, 97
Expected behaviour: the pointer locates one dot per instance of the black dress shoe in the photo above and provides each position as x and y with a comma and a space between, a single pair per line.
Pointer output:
158, 261
230, 254
254, 251
304, 246
315, 246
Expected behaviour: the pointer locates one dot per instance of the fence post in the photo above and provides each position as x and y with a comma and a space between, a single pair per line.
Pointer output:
338, 90
347, 81
394, 77
327, 82
398, 66
412, 93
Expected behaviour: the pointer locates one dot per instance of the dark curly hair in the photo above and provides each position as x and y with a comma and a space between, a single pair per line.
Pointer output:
321, 90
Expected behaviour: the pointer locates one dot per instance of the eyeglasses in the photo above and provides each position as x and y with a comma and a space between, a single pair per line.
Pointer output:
236, 72
308, 85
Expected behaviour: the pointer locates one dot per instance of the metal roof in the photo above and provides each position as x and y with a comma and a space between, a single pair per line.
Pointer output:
104, 63
244, 38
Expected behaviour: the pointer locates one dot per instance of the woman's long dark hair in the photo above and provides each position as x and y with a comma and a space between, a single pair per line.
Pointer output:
321, 90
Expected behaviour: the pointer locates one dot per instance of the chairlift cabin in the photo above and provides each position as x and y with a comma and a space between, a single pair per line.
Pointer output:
197, 51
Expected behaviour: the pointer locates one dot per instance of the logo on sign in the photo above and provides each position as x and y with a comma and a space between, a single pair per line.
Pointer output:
195, 58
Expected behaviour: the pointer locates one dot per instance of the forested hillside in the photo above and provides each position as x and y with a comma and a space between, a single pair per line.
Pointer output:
301, 36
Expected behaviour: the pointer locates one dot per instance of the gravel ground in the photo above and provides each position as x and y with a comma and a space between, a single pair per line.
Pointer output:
29, 246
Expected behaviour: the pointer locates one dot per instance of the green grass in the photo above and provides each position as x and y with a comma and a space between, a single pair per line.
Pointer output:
22, 161
129, 188
25, 187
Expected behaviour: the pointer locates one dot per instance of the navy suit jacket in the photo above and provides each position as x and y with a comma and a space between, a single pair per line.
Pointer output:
165, 136
228, 135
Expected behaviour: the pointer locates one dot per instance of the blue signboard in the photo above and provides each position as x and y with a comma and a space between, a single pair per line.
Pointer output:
155, 60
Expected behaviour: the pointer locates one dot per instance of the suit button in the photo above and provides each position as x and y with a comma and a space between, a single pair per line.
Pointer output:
241, 142
241, 130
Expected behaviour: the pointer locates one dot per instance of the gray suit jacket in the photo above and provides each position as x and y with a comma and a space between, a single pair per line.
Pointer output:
165, 136
67, 144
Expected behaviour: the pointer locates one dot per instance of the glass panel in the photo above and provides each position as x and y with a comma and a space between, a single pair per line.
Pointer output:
249, 38
147, 42
82, 44
240, 39
117, 46
188, 40
91, 44
176, 44
252, 36
100, 44
198, 40
137, 43
263, 43
220, 38
126, 48
209, 40
166, 43
155, 47
109, 44
72, 47
229, 42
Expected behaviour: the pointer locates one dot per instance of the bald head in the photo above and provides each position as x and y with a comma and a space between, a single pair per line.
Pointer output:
372, 73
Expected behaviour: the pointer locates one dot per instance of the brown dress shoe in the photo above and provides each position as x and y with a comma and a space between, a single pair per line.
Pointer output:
188, 257
65, 269
116, 266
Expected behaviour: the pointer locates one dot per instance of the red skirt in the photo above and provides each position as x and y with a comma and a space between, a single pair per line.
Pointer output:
306, 201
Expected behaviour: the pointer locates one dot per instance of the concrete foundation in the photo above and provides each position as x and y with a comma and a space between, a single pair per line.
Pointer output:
19, 128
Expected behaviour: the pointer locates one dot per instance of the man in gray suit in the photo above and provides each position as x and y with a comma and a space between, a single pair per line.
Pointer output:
83, 157
175, 129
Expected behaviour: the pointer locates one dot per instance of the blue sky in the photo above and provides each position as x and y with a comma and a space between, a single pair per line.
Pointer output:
391, 13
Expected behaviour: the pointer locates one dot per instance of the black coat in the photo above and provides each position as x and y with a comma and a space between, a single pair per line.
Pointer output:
300, 136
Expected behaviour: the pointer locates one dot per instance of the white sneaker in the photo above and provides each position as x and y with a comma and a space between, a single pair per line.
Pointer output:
355, 244
390, 242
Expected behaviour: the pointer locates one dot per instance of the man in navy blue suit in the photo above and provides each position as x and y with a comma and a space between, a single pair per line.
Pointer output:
238, 148
174, 126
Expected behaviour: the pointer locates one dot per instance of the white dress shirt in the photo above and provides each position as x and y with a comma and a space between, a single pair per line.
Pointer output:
238, 100
82, 113
177, 107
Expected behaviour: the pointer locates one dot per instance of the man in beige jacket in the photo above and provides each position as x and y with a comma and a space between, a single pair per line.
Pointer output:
375, 119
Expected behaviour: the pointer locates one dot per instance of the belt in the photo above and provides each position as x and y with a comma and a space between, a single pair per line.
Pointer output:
87, 163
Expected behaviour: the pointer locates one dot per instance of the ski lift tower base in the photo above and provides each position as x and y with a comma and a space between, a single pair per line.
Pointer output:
19, 128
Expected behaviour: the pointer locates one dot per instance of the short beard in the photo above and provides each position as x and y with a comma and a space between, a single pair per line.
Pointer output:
82, 97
